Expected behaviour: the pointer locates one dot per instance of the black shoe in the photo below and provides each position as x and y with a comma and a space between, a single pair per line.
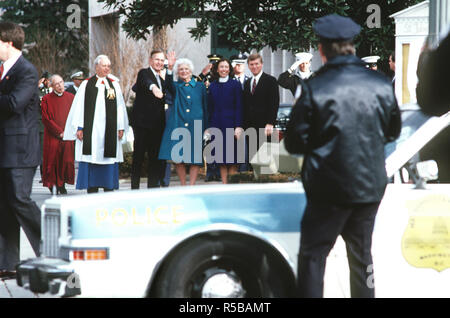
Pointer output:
62, 190
5, 274
92, 190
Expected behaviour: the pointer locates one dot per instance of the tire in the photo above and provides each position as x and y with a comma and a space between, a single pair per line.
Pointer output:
197, 266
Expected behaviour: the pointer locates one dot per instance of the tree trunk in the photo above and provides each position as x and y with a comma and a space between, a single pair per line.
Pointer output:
160, 40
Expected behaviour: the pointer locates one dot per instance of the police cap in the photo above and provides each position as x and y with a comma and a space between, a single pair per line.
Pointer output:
303, 57
77, 76
213, 58
46, 74
239, 59
336, 28
371, 59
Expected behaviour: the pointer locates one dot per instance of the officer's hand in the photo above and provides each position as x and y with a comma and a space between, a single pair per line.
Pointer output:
157, 92
294, 66
206, 69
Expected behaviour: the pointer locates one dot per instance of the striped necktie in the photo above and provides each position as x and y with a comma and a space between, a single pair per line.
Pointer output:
254, 85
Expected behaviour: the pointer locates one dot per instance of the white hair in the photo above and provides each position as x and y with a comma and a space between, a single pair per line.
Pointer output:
101, 57
52, 78
183, 61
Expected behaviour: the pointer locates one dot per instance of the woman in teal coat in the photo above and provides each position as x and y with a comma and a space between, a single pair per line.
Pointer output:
183, 135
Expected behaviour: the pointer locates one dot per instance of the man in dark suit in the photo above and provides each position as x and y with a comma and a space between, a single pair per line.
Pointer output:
19, 144
148, 121
261, 101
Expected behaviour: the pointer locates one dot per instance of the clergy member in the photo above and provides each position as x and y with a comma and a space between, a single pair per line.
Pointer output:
98, 121
58, 165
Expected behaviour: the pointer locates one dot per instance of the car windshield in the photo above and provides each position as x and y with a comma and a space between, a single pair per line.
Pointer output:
417, 130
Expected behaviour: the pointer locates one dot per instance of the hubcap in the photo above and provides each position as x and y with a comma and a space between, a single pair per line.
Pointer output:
223, 285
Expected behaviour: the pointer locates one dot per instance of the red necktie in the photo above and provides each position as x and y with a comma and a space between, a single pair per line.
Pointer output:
1, 71
254, 86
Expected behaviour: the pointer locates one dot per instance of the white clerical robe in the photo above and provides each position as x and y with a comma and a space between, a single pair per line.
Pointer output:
76, 119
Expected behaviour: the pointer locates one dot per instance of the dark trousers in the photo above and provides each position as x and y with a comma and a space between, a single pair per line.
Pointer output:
147, 141
17, 210
320, 227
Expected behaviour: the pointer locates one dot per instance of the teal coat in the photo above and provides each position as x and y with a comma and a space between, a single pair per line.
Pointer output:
183, 135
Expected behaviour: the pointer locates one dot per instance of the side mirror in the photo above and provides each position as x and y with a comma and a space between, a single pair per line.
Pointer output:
426, 171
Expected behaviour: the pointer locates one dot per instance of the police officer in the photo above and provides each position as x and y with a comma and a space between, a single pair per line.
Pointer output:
238, 63
297, 73
207, 76
345, 115
77, 79
371, 62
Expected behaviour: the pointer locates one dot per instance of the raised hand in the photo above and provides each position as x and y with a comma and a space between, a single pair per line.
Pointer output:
171, 59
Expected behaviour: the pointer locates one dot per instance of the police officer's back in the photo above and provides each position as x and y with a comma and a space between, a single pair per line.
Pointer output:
345, 115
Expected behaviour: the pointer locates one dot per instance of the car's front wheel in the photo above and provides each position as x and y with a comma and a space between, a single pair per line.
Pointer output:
224, 267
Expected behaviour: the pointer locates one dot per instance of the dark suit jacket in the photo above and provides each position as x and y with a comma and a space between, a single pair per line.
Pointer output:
148, 110
19, 117
261, 108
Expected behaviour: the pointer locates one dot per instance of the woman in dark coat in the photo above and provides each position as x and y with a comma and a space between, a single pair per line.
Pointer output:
226, 111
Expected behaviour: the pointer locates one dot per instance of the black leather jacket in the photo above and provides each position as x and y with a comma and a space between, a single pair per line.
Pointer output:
345, 115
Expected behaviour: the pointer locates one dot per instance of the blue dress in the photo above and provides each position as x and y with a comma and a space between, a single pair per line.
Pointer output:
186, 124
226, 111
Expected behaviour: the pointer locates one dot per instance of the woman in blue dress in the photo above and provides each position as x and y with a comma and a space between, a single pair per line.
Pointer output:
226, 111
183, 135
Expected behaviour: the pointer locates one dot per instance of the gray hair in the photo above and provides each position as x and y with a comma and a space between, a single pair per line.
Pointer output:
52, 78
183, 61
101, 57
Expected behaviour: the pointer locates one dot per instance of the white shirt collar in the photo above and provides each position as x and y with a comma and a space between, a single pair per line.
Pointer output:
102, 80
158, 78
223, 79
9, 63
257, 77
304, 75
154, 72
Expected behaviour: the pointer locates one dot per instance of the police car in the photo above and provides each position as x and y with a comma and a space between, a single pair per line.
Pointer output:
238, 240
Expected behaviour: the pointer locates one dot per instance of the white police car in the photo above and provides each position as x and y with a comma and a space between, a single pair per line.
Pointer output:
236, 240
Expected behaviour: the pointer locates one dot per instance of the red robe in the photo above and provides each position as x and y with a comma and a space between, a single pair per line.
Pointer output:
58, 164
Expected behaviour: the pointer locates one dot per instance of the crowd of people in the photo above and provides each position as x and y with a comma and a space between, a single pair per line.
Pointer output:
185, 120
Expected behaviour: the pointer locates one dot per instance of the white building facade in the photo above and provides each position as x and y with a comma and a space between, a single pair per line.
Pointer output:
411, 32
